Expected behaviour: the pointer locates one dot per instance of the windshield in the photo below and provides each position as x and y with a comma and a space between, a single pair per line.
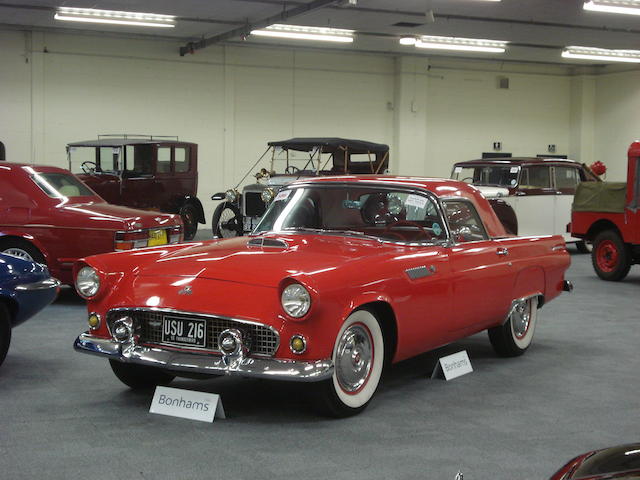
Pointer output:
295, 162
498, 175
61, 185
374, 211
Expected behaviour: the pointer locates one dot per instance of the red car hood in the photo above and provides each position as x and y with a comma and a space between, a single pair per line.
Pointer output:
106, 215
240, 260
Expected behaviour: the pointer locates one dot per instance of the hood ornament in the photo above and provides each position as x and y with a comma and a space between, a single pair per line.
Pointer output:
186, 290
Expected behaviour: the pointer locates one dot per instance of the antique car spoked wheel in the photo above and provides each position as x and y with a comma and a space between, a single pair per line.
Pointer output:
358, 359
5, 332
514, 337
611, 257
22, 249
140, 377
190, 221
227, 221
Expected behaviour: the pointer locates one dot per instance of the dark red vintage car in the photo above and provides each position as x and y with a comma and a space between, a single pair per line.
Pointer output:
613, 463
146, 172
49, 216
341, 275
607, 214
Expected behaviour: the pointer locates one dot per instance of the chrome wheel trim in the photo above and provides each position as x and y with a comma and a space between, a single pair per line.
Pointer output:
521, 335
354, 358
18, 252
521, 319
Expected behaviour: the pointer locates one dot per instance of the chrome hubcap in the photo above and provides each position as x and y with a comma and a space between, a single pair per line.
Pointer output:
520, 319
354, 358
18, 252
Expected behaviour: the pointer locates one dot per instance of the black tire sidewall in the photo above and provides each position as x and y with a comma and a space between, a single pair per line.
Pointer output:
189, 211
140, 377
5, 331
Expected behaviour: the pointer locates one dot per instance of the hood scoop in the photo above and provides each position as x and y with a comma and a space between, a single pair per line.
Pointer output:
267, 243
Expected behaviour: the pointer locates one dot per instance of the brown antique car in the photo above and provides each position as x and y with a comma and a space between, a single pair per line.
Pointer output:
291, 160
144, 172
539, 190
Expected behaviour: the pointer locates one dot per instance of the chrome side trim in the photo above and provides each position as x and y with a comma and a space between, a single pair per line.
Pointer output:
292, 370
514, 304
46, 284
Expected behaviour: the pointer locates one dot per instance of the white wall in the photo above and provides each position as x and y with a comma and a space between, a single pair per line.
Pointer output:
58, 88
617, 120
467, 112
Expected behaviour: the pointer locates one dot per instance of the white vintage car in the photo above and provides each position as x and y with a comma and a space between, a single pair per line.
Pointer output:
540, 191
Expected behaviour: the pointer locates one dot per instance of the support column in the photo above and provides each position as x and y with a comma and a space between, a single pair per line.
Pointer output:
409, 155
581, 141
35, 52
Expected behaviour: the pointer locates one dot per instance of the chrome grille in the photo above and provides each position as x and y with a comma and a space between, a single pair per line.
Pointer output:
259, 339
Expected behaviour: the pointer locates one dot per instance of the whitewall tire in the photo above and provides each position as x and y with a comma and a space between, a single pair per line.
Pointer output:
515, 336
358, 359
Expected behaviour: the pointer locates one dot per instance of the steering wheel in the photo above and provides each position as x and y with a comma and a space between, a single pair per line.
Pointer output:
292, 170
467, 178
88, 167
424, 233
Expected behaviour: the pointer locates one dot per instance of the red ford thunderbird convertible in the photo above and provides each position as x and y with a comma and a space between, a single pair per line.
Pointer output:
47, 215
341, 276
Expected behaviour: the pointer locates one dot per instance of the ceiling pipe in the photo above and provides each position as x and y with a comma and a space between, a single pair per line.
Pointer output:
245, 30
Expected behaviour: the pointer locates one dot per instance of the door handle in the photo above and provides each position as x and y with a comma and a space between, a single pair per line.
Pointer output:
502, 251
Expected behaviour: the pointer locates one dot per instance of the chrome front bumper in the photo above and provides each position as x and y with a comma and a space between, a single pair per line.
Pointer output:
46, 284
207, 364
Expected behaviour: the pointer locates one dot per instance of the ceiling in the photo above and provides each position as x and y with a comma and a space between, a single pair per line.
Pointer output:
536, 29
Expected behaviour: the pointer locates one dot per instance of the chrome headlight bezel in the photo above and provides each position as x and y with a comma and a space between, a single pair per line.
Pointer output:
87, 282
295, 300
231, 195
267, 195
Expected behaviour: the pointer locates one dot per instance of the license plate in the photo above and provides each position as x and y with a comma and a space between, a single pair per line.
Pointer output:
157, 237
184, 332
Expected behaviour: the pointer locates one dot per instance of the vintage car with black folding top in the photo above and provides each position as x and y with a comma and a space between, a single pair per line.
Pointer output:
142, 171
341, 276
291, 160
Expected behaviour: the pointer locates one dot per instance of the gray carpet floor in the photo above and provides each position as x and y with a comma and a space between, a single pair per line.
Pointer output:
64, 415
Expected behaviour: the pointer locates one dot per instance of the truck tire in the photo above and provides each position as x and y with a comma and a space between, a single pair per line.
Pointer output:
611, 257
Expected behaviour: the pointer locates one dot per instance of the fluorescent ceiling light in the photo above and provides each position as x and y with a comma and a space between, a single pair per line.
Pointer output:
629, 7
92, 15
456, 43
602, 54
299, 32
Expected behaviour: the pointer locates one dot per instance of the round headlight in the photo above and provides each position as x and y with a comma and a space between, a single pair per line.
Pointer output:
87, 282
231, 195
267, 195
296, 300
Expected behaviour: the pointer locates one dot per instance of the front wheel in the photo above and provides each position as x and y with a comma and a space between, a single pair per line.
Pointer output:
227, 221
140, 377
17, 247
189, 216
358, 358
5, 332
611, 257
514, 337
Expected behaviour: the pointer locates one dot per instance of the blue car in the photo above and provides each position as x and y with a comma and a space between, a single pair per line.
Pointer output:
25, 289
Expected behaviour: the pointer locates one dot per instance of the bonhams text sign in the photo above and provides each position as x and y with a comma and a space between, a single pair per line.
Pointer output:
453, 366
176, 402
